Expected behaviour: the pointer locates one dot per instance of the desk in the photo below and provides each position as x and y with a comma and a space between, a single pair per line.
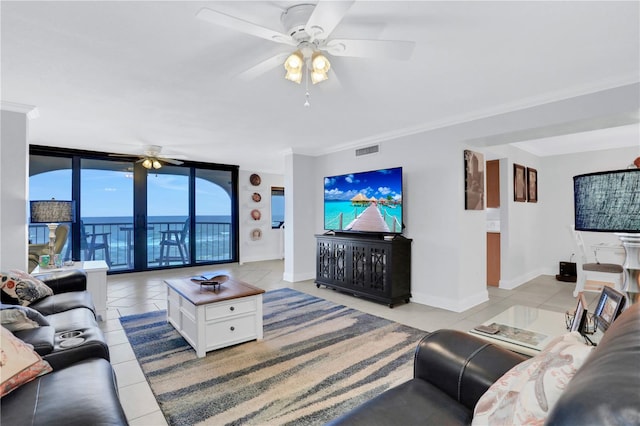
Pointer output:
96, 281
129, 230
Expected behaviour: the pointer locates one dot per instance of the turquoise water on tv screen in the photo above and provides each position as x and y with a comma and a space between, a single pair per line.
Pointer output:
332, 210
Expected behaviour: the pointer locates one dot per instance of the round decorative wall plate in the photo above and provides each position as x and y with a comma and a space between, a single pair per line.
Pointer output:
256, 197
255, 179
255, 214
256, 234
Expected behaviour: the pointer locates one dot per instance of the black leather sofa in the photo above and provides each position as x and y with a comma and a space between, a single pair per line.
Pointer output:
70, 312
82, 387
453, 369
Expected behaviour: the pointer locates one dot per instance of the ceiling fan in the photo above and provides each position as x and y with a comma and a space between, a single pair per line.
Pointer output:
307, 29
151, 157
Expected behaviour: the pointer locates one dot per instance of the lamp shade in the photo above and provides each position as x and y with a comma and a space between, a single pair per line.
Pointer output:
52, 211
607, 201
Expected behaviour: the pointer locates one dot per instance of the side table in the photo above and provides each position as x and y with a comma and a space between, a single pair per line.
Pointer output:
96, 281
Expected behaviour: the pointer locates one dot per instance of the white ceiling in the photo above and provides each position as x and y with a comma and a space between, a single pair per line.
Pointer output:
115, 76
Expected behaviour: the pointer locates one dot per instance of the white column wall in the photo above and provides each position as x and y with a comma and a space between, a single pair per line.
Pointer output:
14, 190
300, 215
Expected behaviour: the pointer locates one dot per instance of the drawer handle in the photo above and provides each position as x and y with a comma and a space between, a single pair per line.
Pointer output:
232, 328
232, 308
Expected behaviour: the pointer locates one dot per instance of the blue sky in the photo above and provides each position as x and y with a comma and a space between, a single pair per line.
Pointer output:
110, 193
378, 184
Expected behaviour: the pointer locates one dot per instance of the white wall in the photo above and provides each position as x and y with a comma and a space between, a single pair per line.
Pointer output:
449, 247
557, 179
301, 189
14, 190
520, 236
271, 245
448, 250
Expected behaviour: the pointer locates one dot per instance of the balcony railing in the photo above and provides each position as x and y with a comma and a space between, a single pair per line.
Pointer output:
213, 242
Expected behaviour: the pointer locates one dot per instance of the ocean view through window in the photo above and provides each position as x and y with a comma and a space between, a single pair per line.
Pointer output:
189, 216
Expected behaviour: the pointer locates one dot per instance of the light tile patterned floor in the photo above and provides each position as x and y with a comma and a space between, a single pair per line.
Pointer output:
144, 291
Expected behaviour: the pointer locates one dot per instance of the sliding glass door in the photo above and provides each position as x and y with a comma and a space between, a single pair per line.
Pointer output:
106, 212
137, 219
213, 225
168, 217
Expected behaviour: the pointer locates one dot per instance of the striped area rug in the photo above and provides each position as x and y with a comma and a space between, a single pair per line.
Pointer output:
317, 361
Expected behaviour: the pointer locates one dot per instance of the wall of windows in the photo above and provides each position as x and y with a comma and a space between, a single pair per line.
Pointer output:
138, 219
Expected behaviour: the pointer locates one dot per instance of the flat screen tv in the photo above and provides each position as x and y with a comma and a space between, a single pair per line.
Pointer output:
364, 202
607, 201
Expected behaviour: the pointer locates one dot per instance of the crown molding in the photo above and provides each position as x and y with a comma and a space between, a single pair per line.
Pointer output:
30, 110
522, 104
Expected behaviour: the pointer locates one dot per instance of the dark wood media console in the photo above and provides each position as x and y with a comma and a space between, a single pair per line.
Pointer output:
367, 266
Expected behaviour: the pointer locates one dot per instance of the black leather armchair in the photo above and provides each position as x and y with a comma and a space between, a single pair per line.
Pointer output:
451, 371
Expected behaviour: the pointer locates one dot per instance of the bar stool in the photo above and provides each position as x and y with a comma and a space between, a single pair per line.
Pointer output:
174, 238
94, 241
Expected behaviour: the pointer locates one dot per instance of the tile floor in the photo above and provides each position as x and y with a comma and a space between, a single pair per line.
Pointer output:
144, 291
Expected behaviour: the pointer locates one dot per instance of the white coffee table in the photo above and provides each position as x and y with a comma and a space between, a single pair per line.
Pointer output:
96, 281
211, 318
526, 330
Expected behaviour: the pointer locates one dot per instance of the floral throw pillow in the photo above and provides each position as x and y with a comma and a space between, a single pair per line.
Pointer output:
527, 393
23, 287
19, 363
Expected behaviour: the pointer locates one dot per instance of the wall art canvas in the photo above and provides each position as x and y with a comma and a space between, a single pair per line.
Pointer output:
532, 185
519, 183
474, 169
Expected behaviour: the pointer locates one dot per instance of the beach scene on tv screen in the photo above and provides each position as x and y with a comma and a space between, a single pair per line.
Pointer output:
365, 202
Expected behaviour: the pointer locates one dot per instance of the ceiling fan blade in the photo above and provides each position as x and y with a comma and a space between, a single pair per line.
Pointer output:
171, 161
390, 49
264, 66
325, 18
123, 155
243, 26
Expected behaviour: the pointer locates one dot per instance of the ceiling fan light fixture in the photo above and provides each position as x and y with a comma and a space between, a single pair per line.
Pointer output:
147, 163
295, 76
320, 63
156, 163
294, 62
318, 76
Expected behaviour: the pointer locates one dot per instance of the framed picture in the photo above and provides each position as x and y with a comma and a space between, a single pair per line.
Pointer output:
519, 183
580, 316
473, 180
609, 307
532, 185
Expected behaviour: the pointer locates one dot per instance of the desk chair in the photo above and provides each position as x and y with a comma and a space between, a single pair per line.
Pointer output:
594, 271
174, 238
90, 242
36, 250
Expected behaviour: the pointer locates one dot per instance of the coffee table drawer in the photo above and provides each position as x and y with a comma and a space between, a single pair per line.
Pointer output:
233, 307
226, 332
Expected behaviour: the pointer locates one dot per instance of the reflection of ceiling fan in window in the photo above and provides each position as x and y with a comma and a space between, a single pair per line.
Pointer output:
307, 29
151, 157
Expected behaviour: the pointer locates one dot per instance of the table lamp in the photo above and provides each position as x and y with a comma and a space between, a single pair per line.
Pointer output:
610, 202
52, 212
